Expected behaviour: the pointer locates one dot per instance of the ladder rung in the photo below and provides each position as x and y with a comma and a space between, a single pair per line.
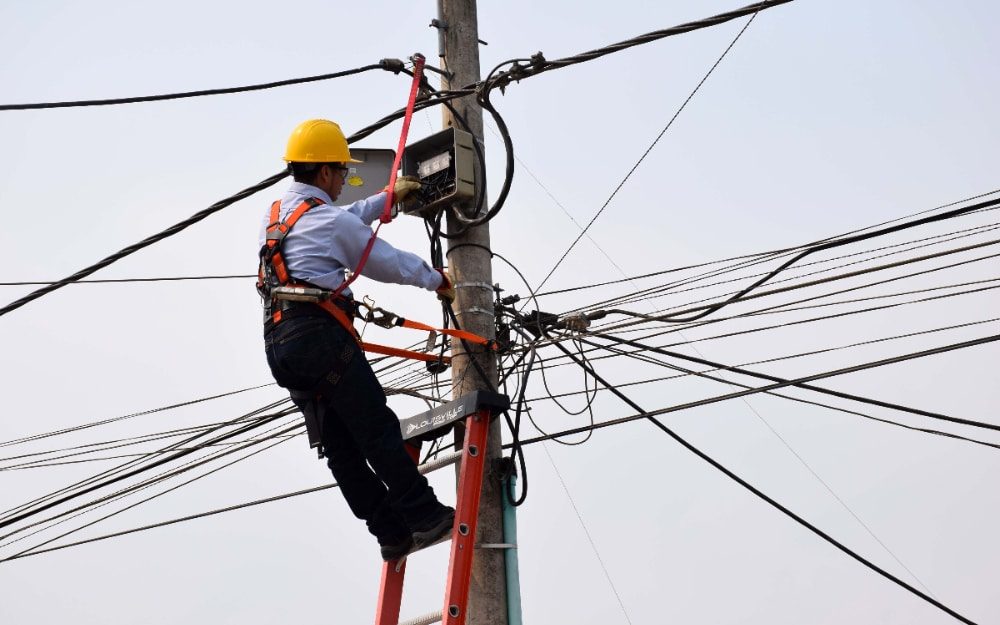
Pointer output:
437, 463
426, 619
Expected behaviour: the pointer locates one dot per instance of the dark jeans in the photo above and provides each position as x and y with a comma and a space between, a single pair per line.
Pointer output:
360, 434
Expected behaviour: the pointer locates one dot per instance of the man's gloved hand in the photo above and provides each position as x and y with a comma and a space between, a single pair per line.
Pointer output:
405, 185
446, 292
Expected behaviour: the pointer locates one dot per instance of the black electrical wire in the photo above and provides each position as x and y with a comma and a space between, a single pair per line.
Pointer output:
104, 500
655, 141
779, 309
135, 247
764, 389
251, 416
751, 9
516, 452
781, 358
90, 448
791, 306
143, 485
672, 288
810, 320
531, 441
36, 548
811, 283
189, 517
816, 389
172, 230
794, 323
118, 280
392, 65
588, 406
85, 426
755, 257
739, 296
687, 372
801, 521
19, 516
483, 98
482, 92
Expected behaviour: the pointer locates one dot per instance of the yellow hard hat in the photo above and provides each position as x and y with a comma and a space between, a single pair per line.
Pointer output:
318, 141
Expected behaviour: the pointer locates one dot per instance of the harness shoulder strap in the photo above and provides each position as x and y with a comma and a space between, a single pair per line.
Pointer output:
277, 230
301, 210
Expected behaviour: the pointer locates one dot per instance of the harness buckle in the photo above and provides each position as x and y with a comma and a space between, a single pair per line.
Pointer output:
299, 294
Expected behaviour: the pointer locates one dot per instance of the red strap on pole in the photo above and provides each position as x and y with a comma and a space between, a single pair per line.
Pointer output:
386, 217
418, 72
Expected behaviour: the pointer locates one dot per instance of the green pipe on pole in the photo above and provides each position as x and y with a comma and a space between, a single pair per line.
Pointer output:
510, 555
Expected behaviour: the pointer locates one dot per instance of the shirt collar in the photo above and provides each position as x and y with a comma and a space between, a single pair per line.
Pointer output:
307, 189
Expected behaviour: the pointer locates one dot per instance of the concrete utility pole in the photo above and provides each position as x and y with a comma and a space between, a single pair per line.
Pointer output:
471, 269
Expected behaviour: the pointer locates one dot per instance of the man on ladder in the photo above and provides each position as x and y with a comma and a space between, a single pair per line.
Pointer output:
313, 351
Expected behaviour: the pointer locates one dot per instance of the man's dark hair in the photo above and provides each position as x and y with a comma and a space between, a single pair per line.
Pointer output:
306, 172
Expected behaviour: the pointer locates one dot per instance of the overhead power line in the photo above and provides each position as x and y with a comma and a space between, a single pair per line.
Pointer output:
135, 247
437, 97
770, 387
675, 317
391, 65
117, 280
65, 497
649, 149
763, 496
542, 65
84, 426
817, 389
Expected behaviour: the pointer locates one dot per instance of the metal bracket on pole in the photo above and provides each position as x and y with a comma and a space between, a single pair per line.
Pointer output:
474, 285
477, 310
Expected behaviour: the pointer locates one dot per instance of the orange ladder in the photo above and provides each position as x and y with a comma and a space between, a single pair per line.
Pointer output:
476, 410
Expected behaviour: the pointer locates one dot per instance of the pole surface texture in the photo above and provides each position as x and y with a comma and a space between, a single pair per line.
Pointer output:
472, 273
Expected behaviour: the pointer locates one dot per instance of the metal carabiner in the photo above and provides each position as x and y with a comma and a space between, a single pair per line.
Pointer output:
383, 318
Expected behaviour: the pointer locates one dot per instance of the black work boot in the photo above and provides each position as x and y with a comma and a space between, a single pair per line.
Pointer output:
394, 549
436, 527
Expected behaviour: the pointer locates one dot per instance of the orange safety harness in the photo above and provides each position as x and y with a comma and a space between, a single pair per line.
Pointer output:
276, 287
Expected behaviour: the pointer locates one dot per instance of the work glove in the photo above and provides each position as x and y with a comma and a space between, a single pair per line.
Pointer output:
446, 292
405, 185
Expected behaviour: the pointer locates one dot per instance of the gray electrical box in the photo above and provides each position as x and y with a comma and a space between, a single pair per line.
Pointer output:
445, 164
368, 177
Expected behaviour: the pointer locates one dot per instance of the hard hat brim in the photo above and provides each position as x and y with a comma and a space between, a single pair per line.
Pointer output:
289, 160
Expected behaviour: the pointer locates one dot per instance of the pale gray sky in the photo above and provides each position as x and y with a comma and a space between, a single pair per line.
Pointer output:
825, 117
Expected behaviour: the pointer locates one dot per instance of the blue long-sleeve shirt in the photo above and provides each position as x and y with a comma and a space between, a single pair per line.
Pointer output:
328, 239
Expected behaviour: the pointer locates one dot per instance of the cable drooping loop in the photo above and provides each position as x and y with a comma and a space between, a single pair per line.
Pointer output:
391, 65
